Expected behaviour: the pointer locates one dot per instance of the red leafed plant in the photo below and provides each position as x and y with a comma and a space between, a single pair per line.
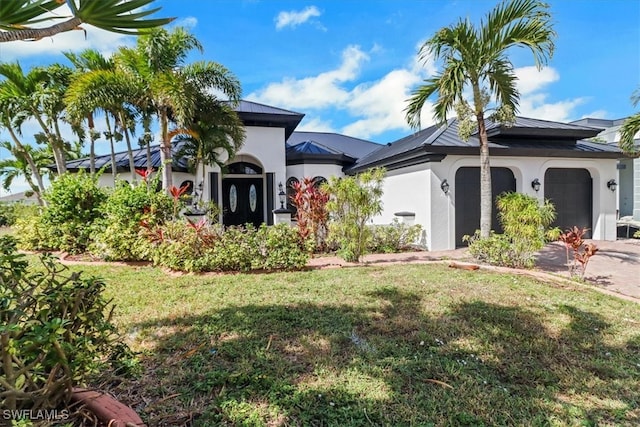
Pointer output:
176, 193
144, 173
582, 252
312, 216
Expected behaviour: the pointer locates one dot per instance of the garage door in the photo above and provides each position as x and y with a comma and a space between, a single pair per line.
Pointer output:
571, 192
468, 199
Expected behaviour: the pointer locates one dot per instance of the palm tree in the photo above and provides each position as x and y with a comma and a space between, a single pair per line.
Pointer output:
38, 95
172, 88
475, 58
215, 128
630, 128
18, 149
101, 86
119, 16
22, 164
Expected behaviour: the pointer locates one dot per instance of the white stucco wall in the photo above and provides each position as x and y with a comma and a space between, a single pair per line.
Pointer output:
313, 170
417, 189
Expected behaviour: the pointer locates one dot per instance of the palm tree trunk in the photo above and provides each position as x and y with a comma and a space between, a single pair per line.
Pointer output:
57, 154
486, 198
165, 151
114, 172
92, 145
39, 33
32, 164
132, 165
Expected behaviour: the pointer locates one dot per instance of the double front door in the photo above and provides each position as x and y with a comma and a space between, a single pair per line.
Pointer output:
242, 201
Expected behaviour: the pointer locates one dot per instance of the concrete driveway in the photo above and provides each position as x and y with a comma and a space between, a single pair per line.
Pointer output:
615, 267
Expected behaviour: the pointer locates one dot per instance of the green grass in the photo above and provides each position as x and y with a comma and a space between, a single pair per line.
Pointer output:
413, 345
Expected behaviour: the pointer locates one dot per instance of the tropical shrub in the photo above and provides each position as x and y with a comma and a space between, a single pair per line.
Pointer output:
525, 223
74, 202
311, 212
7, 214
395, 237
354, 201
55, 330
197, 247
126, 210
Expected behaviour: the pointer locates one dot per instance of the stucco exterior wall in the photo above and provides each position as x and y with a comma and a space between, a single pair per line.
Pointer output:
313, 170
417, 189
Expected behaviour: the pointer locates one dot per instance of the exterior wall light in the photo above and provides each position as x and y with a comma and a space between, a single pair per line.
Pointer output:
612, 184
535, 184
281, 195
444, 187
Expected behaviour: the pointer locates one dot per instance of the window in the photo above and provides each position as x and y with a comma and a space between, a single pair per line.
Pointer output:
318, 181
290, 193
244, 168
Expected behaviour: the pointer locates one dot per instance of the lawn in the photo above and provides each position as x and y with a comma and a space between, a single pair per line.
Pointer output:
411, 345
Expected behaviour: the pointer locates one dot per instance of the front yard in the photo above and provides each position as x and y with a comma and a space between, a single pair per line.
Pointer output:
397, 345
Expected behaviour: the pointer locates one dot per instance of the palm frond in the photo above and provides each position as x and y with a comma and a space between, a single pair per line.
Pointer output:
628, 131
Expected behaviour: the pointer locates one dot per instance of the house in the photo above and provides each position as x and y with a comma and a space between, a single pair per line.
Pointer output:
628, 178
432, 178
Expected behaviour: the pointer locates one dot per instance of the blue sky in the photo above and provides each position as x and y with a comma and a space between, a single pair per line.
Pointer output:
350, 65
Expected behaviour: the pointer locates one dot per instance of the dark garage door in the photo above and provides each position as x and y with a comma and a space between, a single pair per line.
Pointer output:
468, 199
571, 192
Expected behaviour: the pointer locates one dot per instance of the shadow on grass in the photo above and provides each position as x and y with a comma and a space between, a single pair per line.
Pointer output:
386, 362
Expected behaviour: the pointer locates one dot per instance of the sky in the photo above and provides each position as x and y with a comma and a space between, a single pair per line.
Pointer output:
350, 65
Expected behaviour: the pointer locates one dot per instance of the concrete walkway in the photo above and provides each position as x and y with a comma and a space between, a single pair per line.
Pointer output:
614, 269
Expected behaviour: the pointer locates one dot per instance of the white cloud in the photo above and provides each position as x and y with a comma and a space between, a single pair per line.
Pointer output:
377, 106
535, 106
294, 18
316, 92
188, 22
381, 104
531, 80
316, 124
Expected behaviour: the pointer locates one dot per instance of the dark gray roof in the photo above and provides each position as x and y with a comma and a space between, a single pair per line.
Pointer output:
527, 127
352, 147
256, 114
139, 158
598, 123
545, 138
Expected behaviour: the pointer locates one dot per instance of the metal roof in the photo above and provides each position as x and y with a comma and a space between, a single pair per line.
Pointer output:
544, 138
352, 147
256, 114
139, 159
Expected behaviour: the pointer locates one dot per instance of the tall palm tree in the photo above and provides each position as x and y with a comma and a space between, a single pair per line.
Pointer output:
102, 87
630, 128
120, 16
84, 62
475, 58
21, 165
18, 149
38, 95
215, 128
170, 88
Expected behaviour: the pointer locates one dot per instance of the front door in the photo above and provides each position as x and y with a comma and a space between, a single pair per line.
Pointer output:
242, 201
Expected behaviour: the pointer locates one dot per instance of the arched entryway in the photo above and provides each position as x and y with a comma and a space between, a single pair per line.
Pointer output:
467, 198
571, 192
243, 194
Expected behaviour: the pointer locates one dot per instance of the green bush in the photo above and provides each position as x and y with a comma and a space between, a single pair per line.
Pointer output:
7, 214
392, 238
32, 234
525, 223
55, 330
126, 210
197, 247
73, 204
354, 200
